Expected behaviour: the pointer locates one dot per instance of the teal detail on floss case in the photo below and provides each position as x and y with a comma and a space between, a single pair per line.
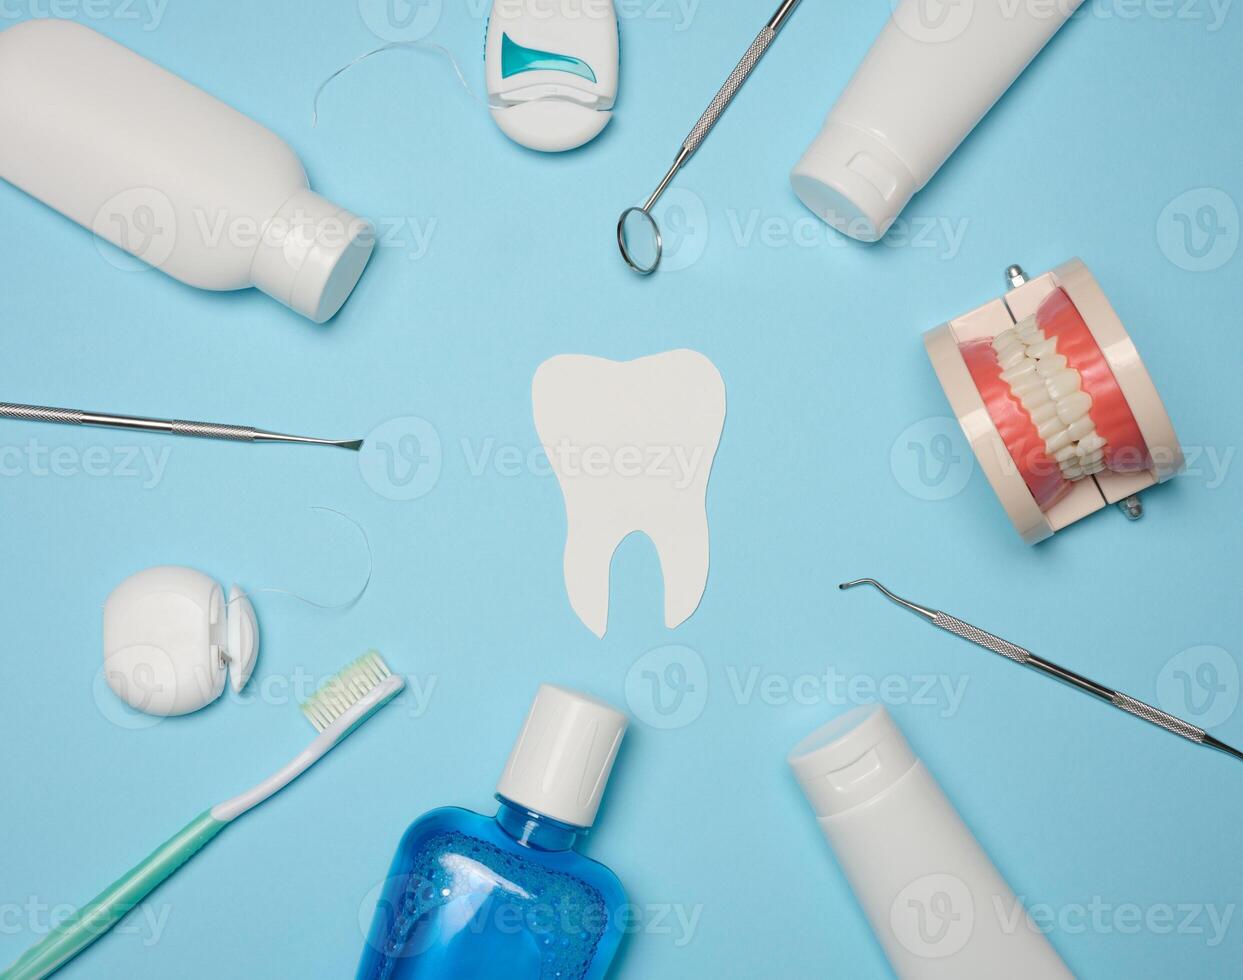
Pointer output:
516, 59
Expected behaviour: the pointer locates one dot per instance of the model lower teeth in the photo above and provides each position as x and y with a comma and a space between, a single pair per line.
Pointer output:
1051, 392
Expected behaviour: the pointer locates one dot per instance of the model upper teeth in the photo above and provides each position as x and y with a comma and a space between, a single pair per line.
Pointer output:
1051, 392
632, 444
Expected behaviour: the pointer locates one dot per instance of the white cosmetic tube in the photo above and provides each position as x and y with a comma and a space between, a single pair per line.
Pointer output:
936, 903
936, 69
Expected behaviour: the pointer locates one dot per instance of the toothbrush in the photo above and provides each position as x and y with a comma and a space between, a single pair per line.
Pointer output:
1011, 651
175, 427
343, 703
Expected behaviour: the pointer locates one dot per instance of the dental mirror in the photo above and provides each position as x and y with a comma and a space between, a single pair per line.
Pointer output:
638, 235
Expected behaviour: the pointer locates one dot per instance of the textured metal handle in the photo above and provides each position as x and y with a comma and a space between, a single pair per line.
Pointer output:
1159, 718
732, 84
36, 413
978, 636
211, 430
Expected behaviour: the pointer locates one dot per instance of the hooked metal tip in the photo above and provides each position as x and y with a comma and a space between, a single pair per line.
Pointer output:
904, 603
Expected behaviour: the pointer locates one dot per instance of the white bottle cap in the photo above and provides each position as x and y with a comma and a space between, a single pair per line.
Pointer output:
312, 255
851, 760
562, 760
852, 180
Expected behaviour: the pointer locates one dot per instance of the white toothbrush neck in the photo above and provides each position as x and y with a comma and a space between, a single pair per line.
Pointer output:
321, 746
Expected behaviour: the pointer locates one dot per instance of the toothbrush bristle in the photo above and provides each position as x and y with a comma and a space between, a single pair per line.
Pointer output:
343, 690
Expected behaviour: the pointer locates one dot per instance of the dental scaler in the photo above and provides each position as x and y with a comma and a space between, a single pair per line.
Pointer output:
1011, 651
1060, 411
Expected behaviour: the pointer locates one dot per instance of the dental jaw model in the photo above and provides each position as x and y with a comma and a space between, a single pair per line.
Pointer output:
552, 71
632, 444
1059, 409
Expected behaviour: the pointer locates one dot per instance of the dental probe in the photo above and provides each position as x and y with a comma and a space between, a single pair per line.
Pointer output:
200, 430
1028, 659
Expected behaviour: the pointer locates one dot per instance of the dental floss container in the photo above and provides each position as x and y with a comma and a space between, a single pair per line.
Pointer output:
552, 71
1000, 365
924, 85
167, 172
938, 906
170, 640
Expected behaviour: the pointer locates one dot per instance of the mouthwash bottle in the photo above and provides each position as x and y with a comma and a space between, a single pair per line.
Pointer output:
507, 897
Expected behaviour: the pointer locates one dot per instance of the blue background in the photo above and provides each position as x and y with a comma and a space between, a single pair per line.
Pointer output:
817, 480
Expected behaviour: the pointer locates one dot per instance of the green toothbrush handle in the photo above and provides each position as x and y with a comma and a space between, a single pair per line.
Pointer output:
108, 908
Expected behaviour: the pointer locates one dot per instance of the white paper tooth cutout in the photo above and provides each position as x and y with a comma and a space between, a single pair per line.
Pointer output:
632, 444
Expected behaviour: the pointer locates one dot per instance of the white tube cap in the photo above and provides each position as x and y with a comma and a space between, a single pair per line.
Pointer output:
851, 760
852, 180
312, 255
562, 760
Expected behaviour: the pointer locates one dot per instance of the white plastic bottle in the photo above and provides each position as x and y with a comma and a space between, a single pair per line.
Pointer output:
936, 69
936, 903
167, 172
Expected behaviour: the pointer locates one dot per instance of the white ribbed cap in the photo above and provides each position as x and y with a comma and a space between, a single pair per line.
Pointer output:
562, 760
852, 180
312, 255
851, 760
